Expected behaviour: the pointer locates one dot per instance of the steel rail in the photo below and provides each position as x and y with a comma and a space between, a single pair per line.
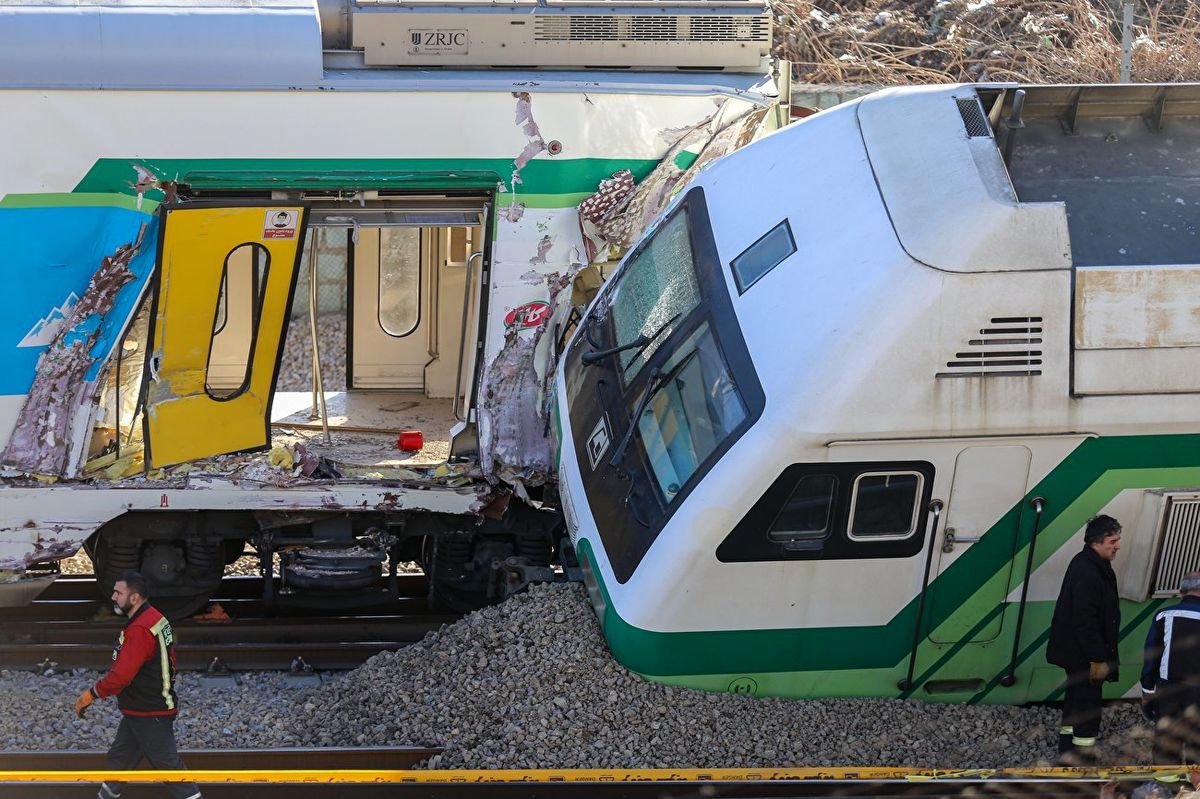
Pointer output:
326, 642
323, 759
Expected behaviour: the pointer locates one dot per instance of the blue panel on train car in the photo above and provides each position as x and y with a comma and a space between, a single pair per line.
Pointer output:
50, 247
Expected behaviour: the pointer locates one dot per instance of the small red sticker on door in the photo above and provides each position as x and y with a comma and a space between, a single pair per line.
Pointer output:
531, 314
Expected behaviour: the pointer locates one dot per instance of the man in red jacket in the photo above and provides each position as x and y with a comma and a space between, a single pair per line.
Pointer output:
142, 678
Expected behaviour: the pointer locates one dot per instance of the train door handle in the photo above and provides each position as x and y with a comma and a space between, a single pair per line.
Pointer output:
951, 538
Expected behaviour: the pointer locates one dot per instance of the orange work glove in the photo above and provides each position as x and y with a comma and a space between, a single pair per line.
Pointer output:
81, 704
1097, 672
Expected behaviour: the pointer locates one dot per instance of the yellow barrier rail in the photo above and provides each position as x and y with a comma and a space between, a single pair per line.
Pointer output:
363, 776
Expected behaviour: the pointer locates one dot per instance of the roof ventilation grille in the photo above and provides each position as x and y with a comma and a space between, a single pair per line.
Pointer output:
1009, 346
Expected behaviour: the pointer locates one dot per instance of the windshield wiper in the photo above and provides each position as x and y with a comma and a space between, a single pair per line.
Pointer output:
657, 380
641, 342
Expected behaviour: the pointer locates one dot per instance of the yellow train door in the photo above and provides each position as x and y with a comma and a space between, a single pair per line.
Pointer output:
223, 287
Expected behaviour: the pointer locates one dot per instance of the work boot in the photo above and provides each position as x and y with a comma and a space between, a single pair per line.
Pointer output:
1078, 757
1064, 745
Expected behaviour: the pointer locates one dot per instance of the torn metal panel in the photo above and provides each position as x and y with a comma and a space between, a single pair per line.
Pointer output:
41, 441
618, 225
515, 444
115, 436
534, 144
544, 245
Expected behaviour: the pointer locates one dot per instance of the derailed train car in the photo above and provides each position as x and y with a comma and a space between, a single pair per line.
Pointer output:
860, 388
172, 172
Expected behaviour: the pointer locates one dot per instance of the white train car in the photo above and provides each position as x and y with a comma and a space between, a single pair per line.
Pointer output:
865, 381
172, 171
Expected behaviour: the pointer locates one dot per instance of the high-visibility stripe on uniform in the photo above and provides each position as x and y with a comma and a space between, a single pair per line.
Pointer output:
164, 661
1168, 617
1083, 741
1066, 730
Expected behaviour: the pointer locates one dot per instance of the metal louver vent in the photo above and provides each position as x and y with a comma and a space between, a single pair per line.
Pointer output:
729, 29
974, 120
653, 28
1179, 552
579, 28
1009, 346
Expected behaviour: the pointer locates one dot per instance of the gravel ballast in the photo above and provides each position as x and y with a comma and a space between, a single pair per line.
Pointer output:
530, 684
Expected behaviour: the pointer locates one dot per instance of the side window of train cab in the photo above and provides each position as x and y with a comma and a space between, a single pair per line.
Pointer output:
835, 511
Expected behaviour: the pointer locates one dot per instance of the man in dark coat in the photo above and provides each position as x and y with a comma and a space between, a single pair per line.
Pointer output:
1083, 636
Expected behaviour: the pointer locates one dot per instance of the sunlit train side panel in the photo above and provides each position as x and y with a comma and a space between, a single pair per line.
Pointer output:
920, 339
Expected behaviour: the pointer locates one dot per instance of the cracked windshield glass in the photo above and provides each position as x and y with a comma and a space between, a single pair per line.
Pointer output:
659, 288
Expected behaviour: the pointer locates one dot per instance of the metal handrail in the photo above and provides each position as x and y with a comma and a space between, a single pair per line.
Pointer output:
1010, 678
462, 349
935, 508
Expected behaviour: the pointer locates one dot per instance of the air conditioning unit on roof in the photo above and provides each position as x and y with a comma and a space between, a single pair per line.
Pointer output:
732, 35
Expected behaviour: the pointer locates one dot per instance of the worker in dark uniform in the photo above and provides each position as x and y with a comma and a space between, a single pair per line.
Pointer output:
1083, 636
1171, 676
142, 678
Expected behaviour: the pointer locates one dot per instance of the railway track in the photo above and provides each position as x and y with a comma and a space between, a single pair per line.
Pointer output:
69, 628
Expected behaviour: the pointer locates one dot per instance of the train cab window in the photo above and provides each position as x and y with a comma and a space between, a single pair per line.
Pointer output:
658, 289
694, 408
884, 506
808, 513
763, 255
835, 511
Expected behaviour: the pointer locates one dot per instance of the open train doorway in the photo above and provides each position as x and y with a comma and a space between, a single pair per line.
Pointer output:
389, 293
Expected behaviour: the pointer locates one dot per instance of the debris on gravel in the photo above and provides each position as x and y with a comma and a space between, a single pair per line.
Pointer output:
530, 683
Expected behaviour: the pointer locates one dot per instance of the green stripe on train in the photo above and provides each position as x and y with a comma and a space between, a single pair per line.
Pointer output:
1087, 479
538, 177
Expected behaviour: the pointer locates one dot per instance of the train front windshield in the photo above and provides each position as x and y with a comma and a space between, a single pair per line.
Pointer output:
690, 414
659, 384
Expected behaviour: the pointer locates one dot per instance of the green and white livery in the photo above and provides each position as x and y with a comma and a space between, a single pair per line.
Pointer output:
873, 374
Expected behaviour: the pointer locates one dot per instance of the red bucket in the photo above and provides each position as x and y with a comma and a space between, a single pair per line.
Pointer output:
410, 441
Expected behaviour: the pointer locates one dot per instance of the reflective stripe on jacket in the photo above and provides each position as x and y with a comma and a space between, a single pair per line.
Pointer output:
1173, 646
142, 676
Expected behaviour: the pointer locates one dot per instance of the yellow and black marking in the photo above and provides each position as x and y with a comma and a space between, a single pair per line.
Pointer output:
600, 776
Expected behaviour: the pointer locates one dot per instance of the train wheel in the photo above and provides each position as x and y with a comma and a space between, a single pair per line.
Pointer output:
448, 560
182, 575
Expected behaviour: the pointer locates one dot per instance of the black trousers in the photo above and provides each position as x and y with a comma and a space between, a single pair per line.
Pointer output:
1081, 712
152, 737
1177, 731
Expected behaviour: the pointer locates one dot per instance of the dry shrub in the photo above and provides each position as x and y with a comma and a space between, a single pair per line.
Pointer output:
1030, 41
